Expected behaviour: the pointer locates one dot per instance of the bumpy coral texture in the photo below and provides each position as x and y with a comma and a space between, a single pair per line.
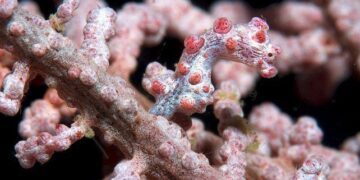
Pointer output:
86, 53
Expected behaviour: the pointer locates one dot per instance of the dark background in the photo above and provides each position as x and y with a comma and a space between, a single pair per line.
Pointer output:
338, 119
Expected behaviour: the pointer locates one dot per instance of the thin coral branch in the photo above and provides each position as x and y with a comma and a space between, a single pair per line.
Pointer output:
42, 146
352, 144
300, 16
14, 87
44, 115
99, 28
73, 29
308, 50
3, 72
40, 117
64, 14
181, 15
136, 24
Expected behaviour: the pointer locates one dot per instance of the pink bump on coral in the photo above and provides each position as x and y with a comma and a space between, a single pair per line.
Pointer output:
314, 167
305, 131
7, 7
190, 160
157, 87
39, 50
74, 72
109, 94
16, 29
166, 150
88, 77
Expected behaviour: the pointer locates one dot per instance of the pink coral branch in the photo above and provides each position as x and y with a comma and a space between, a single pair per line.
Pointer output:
268, 119
31, 7
99, 28
136, 24
14, 87
305, 131
300, 143
74, 27
300, 16
3, 72
232, 154
263, 167
345, 15
313, 168
42, 146
129, 169
308, 50
352, 144
40, 117
64, 13
319, 84
181, 16
44, 115
7, 7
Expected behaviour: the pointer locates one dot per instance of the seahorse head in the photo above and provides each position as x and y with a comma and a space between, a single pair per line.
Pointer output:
248, 44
